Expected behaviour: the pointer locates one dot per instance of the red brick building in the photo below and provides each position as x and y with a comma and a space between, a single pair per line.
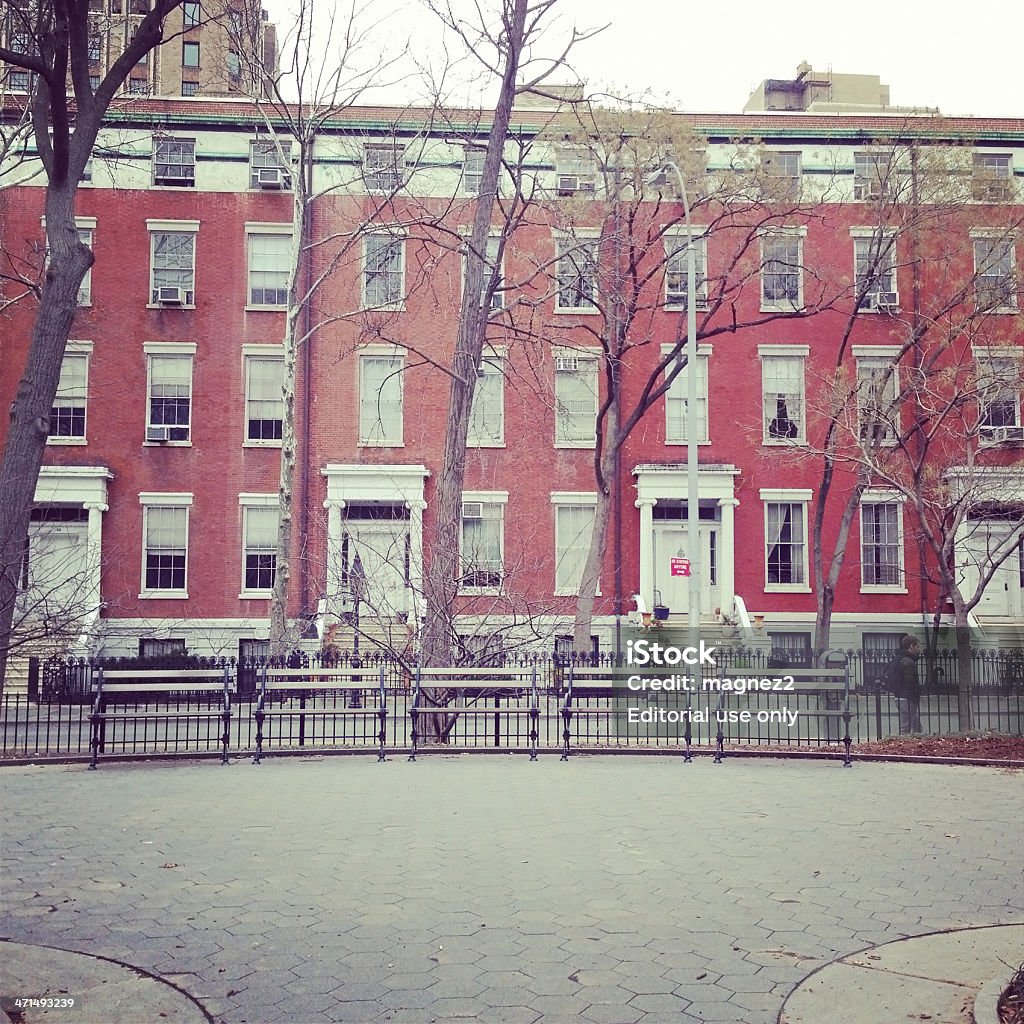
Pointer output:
157, 505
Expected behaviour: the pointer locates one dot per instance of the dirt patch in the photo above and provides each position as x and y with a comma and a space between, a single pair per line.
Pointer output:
993, 747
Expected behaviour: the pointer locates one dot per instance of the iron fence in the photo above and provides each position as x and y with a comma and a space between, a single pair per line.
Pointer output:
54, 721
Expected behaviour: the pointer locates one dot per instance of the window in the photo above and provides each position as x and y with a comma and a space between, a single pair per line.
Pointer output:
480, 550
234, 67
576, 270
259, 542
165, 544
575, 401
170, 398
85, 288
189, 88
268, 155
871, 175
874, 266
472, 169
152, 648
782, 271
67, 417
574, 528
993, 177
877, 410
19, 81
380, 399
783, 170
999, 382
782, 396
785, 544
791, 650
190, 55
174, 162
994, 286
190, 10
487, 420
881, 544
383, 271
676, 274
492, 263
675, 401
264, 402
381, 167
94, 83
95, 46
140, 87
575, 172
173, 263
269, 263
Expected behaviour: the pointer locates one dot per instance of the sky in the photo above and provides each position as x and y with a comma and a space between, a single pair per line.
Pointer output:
709, 58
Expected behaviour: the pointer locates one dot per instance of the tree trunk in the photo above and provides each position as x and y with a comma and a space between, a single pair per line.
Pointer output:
582, 626
964, 669
29, 422
442, 571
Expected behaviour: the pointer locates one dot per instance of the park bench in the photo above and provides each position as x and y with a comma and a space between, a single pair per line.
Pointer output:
830, 686
436, 688
582, 686
322, 694
158, 695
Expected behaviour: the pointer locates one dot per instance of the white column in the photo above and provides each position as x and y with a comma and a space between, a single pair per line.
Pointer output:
415, 604
727, 555
94, 556
646, 506
332, 592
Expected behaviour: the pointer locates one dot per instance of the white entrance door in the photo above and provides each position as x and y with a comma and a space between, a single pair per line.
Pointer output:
1004, 594
382, 547
58, 571
670, 542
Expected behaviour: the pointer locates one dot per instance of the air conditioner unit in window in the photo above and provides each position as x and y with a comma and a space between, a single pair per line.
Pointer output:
566, 364
1002, 435
270, 177
160, 434
887, 300
866, 190
170, 296
568, 183
175, 179
472, 510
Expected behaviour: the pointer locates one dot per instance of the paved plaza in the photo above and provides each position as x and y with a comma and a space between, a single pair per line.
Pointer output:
613, 890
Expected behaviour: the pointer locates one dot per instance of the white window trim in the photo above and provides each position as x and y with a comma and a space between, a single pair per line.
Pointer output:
150, 499
983, 234
246, 501
170, 348
879, 354
82, 224
255, 228
390, 352
397, 236
801, 496
181, 227
699, 234
861, 233
77, 348
799, 232
486, 498
704, 352
591, 355
491, 358
880, 497
582, 235
568, 499
161, 136
791, 352
983, 354
256, 352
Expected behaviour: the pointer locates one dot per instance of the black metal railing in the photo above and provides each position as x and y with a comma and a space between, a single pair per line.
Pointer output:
54, 721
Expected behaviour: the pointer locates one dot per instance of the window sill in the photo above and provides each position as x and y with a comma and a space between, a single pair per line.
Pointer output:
680, 307
683, 441
85, 305
262, 444
787, 588
782, 307
175, 188
479, 591
576, 593
1001, 310
867, 588
485, 444
164, 595
392, 307
577, 445
60, 441
783, 442
893, 311
166, 444
577, 311
255, 595
160, 305
266, 309
380, 444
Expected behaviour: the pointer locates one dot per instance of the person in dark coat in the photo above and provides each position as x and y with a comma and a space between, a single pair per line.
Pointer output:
908, 689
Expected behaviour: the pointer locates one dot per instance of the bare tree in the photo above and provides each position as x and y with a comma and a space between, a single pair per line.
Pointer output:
67, 114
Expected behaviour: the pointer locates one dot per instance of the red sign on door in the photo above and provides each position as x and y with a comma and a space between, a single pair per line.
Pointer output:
679, 566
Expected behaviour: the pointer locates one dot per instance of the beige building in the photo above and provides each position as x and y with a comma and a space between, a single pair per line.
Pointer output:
211, 47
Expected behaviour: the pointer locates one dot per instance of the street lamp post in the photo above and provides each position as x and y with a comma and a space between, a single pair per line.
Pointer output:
692, 488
